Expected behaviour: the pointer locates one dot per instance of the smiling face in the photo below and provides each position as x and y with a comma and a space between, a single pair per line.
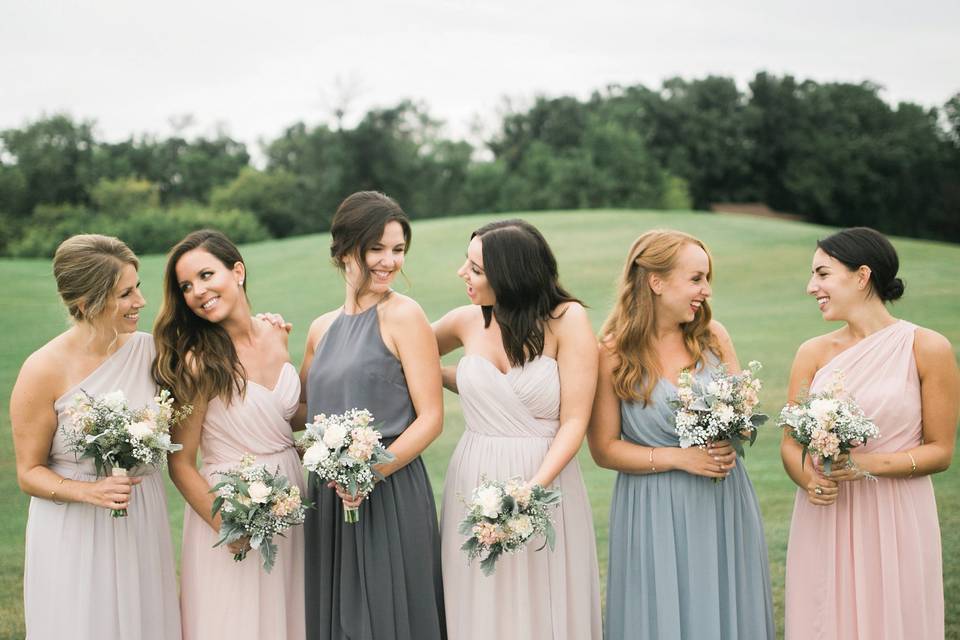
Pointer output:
210, 288
123, 307
384, 259
835, 287
478, 287
682, 292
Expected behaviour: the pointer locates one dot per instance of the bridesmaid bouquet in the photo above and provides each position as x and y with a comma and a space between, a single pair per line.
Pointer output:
344, 449
722, 409
106, 429
828, 424
503, 516
257, 504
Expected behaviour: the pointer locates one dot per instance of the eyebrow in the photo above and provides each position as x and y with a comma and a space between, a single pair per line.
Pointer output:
820, 266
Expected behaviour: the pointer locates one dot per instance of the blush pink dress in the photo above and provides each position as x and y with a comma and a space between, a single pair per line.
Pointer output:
221, 598
869, 566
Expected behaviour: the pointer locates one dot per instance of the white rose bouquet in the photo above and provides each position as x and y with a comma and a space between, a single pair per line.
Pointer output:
106, 429
257, 504
722, 409
344, 449
828, 424
503, 516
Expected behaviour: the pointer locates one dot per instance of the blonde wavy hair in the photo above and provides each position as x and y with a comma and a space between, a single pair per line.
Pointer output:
630, 329
87, 267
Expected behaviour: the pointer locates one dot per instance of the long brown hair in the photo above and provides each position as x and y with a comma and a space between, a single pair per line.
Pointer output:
213, 369
358, 224
522, 272
630, 329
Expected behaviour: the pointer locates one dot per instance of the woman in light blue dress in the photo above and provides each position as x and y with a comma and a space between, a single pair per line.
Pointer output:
687, 553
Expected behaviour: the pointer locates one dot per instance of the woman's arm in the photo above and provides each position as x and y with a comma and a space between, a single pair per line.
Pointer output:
317, 329
610, 451
448, 332
577, 363
940, 405
416, 345
183, 465
34, 423
803, 473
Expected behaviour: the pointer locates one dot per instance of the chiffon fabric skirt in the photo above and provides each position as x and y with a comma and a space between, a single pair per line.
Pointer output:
223, 598
377, 579
89, 576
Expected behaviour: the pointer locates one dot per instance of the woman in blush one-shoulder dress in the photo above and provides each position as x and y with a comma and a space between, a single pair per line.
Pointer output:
378, 579
526, 383
88, 575
864, 554
235, 371
688, 557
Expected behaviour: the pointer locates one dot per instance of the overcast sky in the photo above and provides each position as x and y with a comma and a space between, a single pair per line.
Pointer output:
257, 67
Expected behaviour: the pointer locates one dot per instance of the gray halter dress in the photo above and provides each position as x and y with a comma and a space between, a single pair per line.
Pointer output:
378, 579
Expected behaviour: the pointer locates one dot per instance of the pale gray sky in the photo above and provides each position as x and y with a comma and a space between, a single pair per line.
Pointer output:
257, 67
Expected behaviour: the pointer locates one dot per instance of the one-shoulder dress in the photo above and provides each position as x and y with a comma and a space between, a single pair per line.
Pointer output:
88, 575
869, 566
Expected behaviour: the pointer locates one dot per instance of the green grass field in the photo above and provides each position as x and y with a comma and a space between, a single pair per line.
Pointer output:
761, 268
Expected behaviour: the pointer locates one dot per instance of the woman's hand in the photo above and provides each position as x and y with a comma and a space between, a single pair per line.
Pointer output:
821, 491
349, 501
239, 546
276, 320
112, 492
843, 469
716, 460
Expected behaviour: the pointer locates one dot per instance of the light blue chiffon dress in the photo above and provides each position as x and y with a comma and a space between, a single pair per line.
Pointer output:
688, 559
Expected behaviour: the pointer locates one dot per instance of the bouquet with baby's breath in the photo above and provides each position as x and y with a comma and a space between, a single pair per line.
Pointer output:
106, 429
828, 424
344, 449
256, 504
722, 409
503, 516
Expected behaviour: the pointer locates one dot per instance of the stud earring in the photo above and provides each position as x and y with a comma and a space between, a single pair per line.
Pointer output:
240, 283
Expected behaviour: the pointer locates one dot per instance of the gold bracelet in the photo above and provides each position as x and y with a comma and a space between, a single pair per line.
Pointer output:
913, 462
53, 494
653, 468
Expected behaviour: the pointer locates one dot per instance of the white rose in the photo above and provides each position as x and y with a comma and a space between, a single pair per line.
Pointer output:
115, 400
823, 410
334, 435
140, 430
259, 492
724, 412
521, 524
489, 499
316, 454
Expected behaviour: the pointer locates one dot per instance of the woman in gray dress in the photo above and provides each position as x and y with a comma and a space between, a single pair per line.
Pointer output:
378, 579
687, 554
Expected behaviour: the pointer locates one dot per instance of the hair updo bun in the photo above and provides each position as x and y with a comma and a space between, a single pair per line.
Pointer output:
863, 246
892, 291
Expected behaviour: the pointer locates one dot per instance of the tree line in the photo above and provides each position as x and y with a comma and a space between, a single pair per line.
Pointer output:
836, 153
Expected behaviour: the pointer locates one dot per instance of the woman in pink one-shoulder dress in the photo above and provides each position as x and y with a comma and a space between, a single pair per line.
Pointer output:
864, 556
235, 371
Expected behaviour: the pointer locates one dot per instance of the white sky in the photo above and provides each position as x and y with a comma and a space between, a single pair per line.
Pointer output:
256, 67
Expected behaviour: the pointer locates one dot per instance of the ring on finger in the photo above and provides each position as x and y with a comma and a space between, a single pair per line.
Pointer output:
818, 490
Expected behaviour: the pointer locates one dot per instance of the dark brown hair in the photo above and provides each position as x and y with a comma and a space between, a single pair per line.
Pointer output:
358, 224
860, 246
214, 368
522, 272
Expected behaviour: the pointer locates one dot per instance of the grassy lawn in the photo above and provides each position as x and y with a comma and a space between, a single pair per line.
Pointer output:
761, 270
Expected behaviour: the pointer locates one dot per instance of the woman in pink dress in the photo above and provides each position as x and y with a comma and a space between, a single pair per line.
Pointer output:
864, 559
235, 371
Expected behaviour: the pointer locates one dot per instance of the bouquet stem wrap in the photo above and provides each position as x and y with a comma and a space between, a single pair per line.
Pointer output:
119, 472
